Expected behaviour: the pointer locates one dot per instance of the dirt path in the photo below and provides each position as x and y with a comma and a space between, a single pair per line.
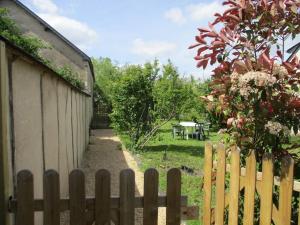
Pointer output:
105, 153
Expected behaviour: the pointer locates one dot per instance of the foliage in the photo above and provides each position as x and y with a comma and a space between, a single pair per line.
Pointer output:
67, 73
132, 101
11, 31
106, 74
254, 87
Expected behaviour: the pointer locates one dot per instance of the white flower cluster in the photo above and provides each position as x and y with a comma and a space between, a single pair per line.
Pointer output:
242, 82
275, 128
280, 71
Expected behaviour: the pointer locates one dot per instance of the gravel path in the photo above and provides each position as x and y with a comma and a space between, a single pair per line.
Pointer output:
105, 152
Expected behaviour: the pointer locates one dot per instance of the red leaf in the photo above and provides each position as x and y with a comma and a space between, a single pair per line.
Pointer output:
202, 63
204, 30
218, 44
210, 34
202, 49
194, 45
279, 53
200, 40
233, 17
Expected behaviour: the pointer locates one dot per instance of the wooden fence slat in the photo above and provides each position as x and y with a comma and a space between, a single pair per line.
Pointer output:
208, 163
77, 197
286, 190
234, 186
173, 197
102, 197
150, 211
127, 194
51, 198
299, 211
266, 201
250, 183
220, 185
25, 210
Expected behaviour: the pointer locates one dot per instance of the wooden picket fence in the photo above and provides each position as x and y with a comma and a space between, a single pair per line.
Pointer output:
262, 183
102, 208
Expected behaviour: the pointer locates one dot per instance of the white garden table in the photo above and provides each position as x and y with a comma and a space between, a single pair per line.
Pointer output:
186, 125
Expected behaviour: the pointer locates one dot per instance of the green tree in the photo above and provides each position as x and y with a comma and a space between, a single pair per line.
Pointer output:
132, 101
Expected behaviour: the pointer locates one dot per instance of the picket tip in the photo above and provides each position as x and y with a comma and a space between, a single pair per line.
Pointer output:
25, 174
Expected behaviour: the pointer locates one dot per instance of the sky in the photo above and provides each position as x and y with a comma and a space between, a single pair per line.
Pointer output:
132, 31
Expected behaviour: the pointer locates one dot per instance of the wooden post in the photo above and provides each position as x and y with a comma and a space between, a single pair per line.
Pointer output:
4, 136
208, 163
234, 186
173, 197
220, 185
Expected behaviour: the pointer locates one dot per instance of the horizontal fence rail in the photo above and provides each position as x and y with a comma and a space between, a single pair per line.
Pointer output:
103, 208
227, 180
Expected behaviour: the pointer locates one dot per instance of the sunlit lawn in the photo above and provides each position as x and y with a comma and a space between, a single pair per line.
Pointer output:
164, 153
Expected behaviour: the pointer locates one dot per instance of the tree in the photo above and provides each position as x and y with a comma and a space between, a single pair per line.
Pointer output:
132, 101
254, 87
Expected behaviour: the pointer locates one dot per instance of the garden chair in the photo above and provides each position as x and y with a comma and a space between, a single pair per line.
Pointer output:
206, 127
177, 130
199, 131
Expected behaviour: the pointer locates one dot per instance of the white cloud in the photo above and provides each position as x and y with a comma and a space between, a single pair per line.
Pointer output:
151, 48
175, 15
202, 11
77, 32
45, 6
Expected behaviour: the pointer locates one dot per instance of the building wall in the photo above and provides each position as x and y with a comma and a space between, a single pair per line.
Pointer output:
60, 53
49, 120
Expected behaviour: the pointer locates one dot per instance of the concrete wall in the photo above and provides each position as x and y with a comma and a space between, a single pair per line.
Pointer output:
49, 121
60, 53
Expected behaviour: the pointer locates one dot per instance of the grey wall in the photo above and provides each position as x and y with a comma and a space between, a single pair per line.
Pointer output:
49, 120
60, 53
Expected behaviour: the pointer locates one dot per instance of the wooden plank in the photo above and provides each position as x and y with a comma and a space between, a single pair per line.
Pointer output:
266, 202
5, 184
286, 190
102, 194
77, 197
208, 159
51, 198
173, 197
299, 212
90, 203
25, 210
127, 192
220, 185
250, 180
150, 212
234, 186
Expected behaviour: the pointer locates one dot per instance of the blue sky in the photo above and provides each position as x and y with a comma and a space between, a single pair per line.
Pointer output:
131, 31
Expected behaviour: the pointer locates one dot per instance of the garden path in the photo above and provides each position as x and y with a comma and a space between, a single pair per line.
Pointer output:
105, 152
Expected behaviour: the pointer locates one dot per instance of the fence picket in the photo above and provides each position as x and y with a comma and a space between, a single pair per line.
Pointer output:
25, 209
266, 202
208, 163
51, 198
77, 197
234, 186
250, 182
102, 197
220, 185
173, 197
286, 190
150, 212
127, 194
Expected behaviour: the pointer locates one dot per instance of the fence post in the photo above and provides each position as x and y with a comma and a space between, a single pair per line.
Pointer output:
208, 163
5, 188
250, 182
220, 185
234, 186
266, 201
173, 197
286, 190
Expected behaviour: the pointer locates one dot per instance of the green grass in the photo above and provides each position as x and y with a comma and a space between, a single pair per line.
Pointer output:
164, 152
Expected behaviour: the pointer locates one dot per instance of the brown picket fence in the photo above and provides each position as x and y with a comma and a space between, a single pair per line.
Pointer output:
102, 208
223, 183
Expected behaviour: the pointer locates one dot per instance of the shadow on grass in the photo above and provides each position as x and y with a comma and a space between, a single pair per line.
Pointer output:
192, 150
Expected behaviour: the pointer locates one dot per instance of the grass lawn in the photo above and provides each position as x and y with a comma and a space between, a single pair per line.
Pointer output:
164, 153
